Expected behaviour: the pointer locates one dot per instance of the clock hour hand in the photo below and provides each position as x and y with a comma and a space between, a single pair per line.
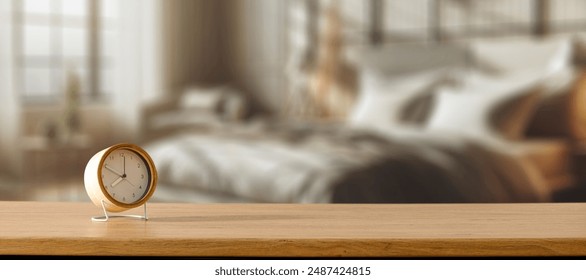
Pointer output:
117, 181
114, 170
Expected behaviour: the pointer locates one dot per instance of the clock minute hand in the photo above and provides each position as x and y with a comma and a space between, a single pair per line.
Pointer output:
114, 170
130, 182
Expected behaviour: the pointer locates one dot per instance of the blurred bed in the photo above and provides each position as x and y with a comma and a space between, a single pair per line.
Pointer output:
449, 133
485, 120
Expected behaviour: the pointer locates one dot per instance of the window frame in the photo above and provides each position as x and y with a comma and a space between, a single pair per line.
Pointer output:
57, 22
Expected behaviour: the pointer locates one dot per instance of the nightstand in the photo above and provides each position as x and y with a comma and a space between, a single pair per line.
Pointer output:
48, 161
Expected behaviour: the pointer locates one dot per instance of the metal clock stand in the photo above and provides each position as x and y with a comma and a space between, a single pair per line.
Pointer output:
106, 217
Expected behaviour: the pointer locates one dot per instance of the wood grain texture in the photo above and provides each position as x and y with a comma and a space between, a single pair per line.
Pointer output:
297, 230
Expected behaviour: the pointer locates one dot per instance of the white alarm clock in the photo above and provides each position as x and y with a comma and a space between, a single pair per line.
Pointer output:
119, 178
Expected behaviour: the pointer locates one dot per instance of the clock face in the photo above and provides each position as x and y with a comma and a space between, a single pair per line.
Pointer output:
125, 175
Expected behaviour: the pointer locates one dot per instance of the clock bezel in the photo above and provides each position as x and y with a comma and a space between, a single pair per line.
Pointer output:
153, 177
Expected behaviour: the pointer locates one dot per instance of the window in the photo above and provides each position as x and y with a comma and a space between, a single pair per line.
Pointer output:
57, 37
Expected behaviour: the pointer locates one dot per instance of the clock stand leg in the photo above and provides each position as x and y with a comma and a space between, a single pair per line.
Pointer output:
106, 217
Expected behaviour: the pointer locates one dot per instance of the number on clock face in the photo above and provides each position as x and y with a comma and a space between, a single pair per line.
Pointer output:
125, 176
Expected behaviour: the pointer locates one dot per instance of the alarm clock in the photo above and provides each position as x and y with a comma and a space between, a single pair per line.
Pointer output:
120, 177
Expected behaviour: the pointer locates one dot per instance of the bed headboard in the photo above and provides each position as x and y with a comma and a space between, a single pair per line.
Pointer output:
448, 20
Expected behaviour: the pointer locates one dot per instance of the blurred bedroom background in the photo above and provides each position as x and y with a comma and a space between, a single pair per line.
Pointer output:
298, 100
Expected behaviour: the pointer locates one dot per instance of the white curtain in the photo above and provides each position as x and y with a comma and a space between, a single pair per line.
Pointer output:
9, 109
138, 71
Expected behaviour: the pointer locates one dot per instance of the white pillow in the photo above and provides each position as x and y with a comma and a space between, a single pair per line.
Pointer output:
384, 101
548, 55
501, 109
477, 80
200, 98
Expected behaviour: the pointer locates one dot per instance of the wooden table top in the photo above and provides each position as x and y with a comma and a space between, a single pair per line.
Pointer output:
297, 230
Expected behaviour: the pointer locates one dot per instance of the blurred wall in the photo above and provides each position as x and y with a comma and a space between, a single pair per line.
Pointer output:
257, 51
195, 43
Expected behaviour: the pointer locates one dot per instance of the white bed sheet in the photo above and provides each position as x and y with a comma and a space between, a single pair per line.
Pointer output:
339, 164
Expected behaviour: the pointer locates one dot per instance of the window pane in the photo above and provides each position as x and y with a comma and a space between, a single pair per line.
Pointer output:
37, 81
109, 8
39, 61
55, 38
83, 81
108, 43
74, 42
107, 81
74, 7
58, 81
37, 6
37, 40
